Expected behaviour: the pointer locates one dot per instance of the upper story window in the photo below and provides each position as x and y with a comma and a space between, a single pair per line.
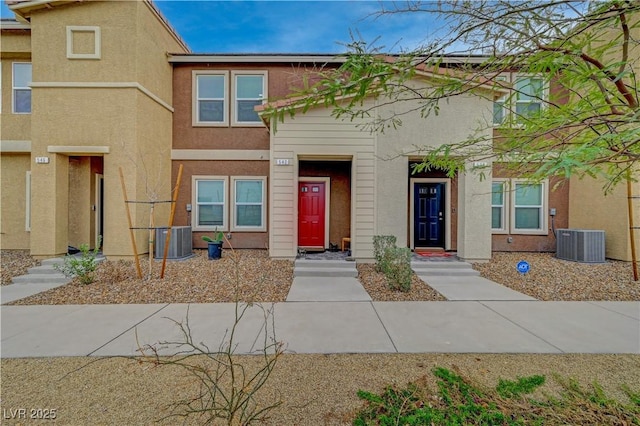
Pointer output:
21, 88
249, 92
527, 99
211, 99
213, 89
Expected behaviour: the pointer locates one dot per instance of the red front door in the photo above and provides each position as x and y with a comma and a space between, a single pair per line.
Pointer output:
311, 214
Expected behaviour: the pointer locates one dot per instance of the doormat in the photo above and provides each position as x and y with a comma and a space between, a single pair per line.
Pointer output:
433, 254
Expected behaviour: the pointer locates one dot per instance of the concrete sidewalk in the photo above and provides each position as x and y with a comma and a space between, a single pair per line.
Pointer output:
329, 327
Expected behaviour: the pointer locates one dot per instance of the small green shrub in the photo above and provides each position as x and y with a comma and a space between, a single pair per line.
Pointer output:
394, 262
380, 245
81, 267
459, 401
397, 268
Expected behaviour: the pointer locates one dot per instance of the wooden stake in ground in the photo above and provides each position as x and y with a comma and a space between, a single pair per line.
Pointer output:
131, 234
632, 233
152, 230
173, 211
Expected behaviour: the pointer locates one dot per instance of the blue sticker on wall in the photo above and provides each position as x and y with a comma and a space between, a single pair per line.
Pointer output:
523, 267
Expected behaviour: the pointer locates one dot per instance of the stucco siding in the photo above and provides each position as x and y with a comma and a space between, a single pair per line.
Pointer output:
458, 118
117, 22
13, 179
590, 209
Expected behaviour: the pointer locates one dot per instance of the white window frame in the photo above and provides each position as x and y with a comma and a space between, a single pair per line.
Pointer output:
97, 45
196, 206
14, 88
196, 100
543, 230
544, 94
234, 226
235, 99
27, 206
509, 199
510, 100
504, 99
504, 229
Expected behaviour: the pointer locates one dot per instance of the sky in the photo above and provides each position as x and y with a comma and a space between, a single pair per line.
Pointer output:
319, 26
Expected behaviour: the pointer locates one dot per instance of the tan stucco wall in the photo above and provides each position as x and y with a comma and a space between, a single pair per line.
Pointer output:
590, 209
13, 168
458, 118
80, 105
15, 43
12, 126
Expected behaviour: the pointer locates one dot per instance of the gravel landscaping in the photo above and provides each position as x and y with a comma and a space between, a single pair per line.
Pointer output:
553, 279
199, 280
14, 263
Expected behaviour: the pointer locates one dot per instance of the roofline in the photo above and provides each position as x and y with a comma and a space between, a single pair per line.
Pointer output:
23, 9
12, 24
185, 58
253, 57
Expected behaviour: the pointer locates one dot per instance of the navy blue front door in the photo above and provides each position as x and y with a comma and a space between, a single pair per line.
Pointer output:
428, 215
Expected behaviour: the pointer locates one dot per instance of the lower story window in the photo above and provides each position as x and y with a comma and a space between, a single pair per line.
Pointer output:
248, 203
210, 202
518, 207
240, 198
528, 207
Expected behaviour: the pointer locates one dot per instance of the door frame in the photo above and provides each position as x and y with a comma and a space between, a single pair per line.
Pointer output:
99, 212
327, 200
447, 208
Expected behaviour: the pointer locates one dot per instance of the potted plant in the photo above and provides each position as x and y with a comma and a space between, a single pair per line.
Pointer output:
214, 245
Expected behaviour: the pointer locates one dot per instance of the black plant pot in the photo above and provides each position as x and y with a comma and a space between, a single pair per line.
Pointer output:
215, 250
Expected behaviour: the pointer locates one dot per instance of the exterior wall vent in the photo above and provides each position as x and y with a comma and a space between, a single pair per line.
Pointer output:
180, 245
580, 245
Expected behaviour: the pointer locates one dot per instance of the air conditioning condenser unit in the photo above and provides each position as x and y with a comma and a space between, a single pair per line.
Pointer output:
580, 245
180, 244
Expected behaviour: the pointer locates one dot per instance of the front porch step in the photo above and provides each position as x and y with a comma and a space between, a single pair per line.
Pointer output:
44, 269
324, 268
447, 269
41, 279
46, 273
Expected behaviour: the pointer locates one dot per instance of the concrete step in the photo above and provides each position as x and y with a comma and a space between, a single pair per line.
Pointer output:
324, 268
41, 279
44, 269
448, 273
440, 265
52, 261
446, 269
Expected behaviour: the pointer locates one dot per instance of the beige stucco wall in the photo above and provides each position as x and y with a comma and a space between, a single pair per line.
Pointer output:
13, 171
458, 118
590, 209
317, 135
15, 46
118, 107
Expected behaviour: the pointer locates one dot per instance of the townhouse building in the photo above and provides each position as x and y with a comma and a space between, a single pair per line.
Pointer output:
89, 88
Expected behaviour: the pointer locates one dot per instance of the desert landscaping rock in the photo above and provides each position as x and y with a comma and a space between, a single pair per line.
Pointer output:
195, 280
14, 263
553, 279
199, 280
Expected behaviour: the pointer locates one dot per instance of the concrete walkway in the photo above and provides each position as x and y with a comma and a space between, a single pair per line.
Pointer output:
330, 327
329, 312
